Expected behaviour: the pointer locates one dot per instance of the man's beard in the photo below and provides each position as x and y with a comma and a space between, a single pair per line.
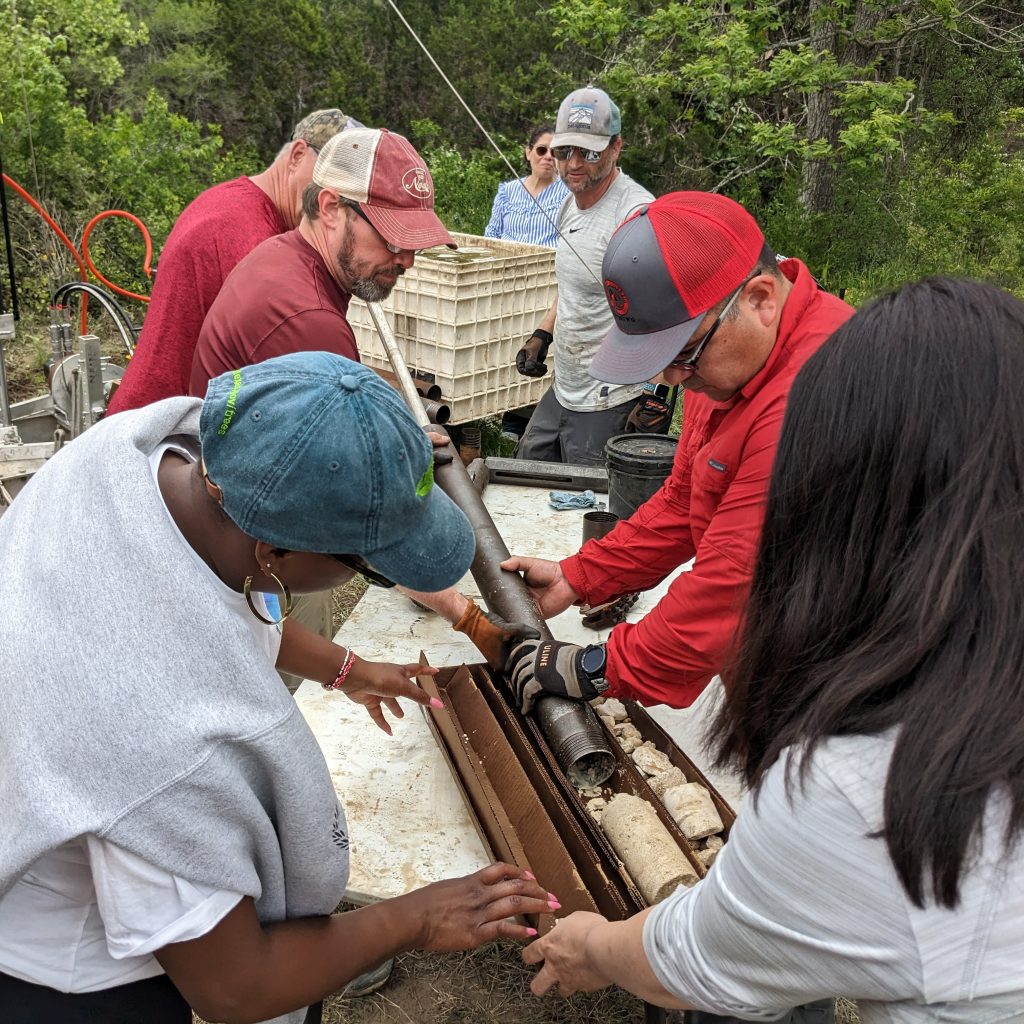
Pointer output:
369, 289
592, 181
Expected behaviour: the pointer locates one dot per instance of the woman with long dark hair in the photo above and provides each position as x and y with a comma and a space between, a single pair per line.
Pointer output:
876, 703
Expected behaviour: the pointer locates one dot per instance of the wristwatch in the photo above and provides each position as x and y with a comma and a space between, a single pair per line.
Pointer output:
661, 391
592, 662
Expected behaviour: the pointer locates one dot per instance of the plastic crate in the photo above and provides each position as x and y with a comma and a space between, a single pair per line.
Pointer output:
461, 316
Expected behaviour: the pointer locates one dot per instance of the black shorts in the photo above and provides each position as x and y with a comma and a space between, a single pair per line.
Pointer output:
150, 1001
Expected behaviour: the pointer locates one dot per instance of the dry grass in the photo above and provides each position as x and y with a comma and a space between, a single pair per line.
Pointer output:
490, 985
345, 598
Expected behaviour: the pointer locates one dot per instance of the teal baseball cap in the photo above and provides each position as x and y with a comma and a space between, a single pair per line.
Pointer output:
314, 452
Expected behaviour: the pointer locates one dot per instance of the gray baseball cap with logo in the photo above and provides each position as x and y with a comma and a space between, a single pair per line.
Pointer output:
588, 119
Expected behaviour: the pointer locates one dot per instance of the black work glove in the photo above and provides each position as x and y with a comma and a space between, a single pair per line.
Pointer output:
493, 636
530, 358
539, 667
650, 415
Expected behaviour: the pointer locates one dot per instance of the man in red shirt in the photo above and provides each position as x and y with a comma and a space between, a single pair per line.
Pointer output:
369, 208
697, 295
213, 234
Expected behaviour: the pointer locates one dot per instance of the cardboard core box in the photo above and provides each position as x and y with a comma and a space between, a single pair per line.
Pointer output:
524, 808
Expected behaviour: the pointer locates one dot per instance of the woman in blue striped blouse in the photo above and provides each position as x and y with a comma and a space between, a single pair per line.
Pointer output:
515, 216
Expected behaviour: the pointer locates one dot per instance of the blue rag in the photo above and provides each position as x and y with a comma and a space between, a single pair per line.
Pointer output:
562, 500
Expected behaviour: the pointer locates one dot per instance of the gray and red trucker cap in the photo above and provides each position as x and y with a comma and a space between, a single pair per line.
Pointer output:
664, 268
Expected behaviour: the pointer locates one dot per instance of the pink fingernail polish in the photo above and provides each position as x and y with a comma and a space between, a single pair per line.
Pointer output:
552, 896
554, 905
531, 932
435, 703
530, 875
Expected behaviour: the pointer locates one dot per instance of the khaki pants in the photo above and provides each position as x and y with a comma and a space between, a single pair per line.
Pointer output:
314, 612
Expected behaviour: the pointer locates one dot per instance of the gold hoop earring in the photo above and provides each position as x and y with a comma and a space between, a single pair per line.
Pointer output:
286, 594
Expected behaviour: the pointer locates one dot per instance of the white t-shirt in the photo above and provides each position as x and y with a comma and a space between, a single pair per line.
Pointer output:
583, 317
88, 915
803, 904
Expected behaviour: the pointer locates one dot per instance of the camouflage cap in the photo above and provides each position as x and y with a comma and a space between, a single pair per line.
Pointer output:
321, 125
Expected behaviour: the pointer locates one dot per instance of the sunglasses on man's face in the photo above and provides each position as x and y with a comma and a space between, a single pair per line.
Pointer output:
356, 564
591, 156
395, 250
687, 359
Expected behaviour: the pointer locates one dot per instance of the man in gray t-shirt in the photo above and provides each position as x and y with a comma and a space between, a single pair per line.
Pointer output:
578, 413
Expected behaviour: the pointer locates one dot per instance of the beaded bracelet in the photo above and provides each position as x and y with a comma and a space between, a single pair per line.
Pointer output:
346, 667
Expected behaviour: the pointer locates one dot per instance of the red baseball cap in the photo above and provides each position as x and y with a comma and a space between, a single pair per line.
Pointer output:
385, 175
664, 268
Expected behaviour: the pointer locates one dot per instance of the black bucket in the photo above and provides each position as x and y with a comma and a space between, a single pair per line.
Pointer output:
637, 466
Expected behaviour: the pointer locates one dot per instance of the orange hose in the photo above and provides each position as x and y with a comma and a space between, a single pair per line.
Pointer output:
82, 265
55, 228
146, 266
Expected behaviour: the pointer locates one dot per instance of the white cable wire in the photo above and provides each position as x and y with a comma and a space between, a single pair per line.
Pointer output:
487, 136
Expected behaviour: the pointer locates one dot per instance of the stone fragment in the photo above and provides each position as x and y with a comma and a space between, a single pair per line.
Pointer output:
629, 743
666, 780
707, 857
693, 810
650, 854
650, 760
614, 707
608, 721
590, 793
714, 843
596, 808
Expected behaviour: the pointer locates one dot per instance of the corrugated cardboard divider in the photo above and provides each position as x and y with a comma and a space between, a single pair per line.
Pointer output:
513, 820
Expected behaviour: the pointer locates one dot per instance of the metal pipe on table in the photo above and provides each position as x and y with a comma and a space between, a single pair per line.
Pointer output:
571, 728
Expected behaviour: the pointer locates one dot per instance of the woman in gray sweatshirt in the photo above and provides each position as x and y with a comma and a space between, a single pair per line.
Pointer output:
172, 837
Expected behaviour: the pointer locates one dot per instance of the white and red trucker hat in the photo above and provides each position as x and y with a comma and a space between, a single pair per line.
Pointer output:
382, 172
664, 268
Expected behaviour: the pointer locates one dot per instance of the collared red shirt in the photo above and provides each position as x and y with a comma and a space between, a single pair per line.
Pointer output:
709, 509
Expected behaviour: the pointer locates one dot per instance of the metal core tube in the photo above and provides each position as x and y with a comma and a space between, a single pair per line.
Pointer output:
570, 727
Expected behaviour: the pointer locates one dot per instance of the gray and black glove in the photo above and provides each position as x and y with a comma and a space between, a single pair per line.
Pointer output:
530, 358
539, 667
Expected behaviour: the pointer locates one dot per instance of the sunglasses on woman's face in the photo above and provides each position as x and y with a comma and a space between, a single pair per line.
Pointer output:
541, 150
356, 564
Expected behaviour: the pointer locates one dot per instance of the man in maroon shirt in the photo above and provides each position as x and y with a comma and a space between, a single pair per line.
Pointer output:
369, 208
697, 295
214, 232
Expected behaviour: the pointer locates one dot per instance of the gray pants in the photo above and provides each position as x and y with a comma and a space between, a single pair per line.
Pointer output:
557, 434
